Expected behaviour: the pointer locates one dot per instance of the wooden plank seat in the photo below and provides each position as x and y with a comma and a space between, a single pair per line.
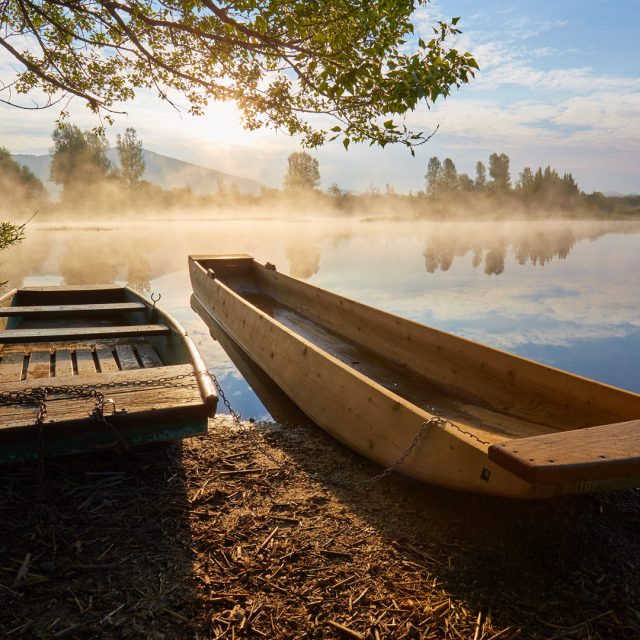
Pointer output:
595, 453
81, 333
72, 294
71, 310
151, 398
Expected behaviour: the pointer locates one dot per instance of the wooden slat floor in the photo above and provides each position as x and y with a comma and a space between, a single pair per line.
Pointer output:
39, 362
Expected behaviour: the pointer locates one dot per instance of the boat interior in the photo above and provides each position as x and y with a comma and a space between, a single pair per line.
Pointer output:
490, 394
46, 333
65, 342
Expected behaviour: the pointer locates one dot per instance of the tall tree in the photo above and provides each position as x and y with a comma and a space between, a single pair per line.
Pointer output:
303, 172
499, 172
526, 180
131, 156
78, 159
449, 179
19, 186
433, 177
481, 175
465, 183
358, 61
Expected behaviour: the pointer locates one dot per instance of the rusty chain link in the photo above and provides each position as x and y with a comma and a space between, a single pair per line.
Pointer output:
37, 397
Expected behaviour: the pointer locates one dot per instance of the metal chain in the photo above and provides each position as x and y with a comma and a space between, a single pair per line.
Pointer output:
237, 419
38, 397
426, 426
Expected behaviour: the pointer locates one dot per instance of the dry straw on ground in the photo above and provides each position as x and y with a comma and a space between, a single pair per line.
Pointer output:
243, 534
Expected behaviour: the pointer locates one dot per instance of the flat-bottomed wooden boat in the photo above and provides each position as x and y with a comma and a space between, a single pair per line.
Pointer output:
464, 415
87, 368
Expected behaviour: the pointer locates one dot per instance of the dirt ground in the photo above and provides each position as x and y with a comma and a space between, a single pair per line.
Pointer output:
245, 534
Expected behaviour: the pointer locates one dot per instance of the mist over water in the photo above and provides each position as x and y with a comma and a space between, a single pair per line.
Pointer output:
561, 292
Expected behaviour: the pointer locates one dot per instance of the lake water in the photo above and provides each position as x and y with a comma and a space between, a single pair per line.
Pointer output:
560, 292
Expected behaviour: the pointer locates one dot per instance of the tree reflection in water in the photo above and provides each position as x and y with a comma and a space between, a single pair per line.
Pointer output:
529, 245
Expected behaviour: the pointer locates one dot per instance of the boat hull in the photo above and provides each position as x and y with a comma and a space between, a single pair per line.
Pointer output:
355, 409
76, 346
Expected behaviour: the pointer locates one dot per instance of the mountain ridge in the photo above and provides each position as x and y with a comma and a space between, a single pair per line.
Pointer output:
162, 170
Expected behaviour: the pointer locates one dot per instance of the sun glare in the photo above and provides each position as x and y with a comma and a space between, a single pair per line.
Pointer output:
222, 124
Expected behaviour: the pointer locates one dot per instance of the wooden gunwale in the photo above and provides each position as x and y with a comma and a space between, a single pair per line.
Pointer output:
445, 456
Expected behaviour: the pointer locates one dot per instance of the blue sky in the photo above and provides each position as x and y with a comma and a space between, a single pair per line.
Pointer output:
559, 85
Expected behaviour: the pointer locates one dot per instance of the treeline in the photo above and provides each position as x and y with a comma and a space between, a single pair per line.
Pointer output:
89, 183
542, 188
20, 189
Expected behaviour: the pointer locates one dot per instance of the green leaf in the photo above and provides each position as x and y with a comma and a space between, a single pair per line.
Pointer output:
346, 142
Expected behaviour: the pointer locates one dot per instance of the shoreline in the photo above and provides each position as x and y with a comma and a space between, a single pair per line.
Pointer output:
241, 533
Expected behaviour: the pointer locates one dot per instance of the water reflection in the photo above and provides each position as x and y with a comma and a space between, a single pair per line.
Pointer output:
532, 243
564, 293
304, 259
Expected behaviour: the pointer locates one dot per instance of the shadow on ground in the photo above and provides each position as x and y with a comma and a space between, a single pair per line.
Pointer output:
96, 546
565, 568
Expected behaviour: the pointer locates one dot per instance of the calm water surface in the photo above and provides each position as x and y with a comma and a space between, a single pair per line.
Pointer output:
563, 293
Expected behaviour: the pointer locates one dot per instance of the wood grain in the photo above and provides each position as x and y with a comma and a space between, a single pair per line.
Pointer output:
11, 366
148, 398
81, 333
71, 310
148, 355
39, 365
127, 357
84, 361
64, 363
106, 360
605, 451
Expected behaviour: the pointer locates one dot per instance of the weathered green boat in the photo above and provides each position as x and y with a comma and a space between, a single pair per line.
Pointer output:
89, 368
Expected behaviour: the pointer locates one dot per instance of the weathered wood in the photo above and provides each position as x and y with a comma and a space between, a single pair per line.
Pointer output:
81, 333
64, 363
85, 362
370, 379
11, 366
474, 372
39, 365
72, 310
148, 355
150, 395
106, 360
91, 345
239, 263
605, 451
56, 290
71, 294
127, 357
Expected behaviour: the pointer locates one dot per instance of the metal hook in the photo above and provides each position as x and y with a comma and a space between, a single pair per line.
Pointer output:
112, 403
155, 299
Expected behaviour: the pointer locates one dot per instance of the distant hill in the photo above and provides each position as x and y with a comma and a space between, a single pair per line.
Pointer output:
164, 171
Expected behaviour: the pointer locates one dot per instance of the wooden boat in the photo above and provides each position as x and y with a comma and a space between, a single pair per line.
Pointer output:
443, 409
85, 368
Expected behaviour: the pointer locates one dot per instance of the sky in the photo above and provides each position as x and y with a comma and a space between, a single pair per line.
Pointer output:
559, 85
